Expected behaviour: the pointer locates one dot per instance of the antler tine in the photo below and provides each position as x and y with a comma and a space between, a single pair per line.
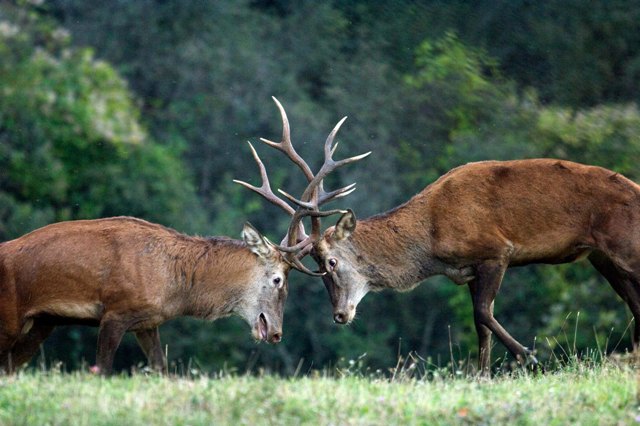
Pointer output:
328, 166
295, 248
265, 188
352, 159
285, 144
325, 197
300, 203
315, 191
305, 251
296, 263
328, 151
310, 208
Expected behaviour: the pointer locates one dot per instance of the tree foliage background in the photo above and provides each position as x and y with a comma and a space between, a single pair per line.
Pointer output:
144, 108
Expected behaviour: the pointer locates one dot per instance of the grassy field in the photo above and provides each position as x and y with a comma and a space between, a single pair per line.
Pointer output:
600, 395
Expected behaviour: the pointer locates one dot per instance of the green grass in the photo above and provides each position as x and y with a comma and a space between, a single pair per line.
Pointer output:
594, 395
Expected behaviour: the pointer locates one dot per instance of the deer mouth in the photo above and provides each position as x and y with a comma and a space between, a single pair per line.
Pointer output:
262, 327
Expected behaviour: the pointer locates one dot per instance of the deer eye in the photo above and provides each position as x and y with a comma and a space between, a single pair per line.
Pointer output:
332, 263
277, 281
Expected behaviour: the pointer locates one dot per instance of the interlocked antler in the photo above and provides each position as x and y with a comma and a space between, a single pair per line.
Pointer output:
298, 244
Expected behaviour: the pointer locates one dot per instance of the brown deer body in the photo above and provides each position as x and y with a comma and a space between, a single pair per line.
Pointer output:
479, 219
125, 274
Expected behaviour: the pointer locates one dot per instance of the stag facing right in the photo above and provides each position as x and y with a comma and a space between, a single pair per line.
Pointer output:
125, 274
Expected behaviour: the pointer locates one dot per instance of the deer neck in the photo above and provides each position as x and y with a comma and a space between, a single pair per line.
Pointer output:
219, 279
395, 250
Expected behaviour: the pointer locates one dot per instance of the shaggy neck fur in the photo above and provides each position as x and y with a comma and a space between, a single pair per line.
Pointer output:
215, 277
394, 247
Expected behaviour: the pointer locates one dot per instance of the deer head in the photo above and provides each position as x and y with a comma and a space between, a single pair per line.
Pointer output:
343, 277
263, 302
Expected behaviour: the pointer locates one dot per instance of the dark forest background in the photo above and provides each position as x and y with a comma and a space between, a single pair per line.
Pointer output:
144, 108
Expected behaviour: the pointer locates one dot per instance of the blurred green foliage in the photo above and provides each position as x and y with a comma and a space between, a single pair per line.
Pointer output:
71, 141
144, 108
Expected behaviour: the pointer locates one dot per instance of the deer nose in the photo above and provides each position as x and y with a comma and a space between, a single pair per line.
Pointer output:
276, 337
340, 317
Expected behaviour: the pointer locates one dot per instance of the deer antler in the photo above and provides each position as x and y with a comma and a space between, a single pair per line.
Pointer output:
296, 243
265, 189
267, 193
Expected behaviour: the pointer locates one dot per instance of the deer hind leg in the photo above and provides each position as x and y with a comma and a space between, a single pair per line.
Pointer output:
626, 284
484, 289
634, 305
484, 333
149, 341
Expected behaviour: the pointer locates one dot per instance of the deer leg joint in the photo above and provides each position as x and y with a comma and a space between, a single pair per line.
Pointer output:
460, 275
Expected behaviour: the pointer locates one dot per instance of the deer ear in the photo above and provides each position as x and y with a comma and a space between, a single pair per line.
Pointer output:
345, 226
255, 241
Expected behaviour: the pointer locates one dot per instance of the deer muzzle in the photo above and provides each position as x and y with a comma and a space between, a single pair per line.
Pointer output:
344, 316
265, 330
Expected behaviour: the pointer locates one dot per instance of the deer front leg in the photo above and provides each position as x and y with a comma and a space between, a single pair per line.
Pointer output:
484, 289
149, 341
28, 344
484, 334
10, 331
111, 331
